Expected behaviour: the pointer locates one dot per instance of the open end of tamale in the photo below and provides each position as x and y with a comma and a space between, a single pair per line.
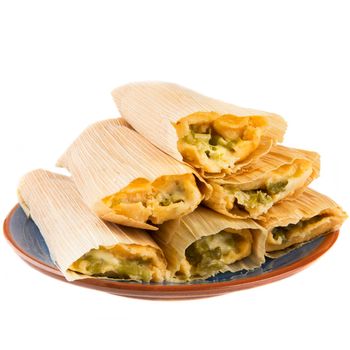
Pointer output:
215, 253
166, 198
214, 143
282, 237
203, 243
256, 197
126, 180
300, 219
215, 137
122, 261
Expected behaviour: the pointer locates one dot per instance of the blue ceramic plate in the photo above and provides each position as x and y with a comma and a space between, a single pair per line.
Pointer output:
26, 239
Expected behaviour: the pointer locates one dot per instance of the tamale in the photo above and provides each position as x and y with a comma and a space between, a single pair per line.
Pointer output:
124, 179
253, 191
81, 244
214, 137
299, 219
203, 243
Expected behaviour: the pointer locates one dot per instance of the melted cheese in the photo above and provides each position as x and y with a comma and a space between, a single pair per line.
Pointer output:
166, 198
134, 262
300, 232
215, 143
260, 197
215, 253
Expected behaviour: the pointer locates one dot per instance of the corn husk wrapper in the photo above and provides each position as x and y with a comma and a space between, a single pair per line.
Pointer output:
107, 156
175, 236
151, 108
68, 226
305, 206
258, 170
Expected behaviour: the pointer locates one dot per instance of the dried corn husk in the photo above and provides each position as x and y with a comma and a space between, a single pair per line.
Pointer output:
278, 156
152, 107
68, 226
175, 236
107, 157
303, 207
256, 175
122, 122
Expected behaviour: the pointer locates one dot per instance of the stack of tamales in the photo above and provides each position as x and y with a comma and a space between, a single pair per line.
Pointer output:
182, 188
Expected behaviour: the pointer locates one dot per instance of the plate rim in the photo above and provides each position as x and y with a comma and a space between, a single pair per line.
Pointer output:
176, 291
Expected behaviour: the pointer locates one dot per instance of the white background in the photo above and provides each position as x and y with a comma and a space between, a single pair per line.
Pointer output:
59, 60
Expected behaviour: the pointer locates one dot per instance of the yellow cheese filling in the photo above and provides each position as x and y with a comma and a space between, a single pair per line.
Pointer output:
214, 142
166, 198
131, 262
212, 254
258, 197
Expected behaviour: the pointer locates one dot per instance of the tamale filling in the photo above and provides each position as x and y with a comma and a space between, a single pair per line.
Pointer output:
282, 237
122, 261
166, 198
215, 143
214, 253
259, 198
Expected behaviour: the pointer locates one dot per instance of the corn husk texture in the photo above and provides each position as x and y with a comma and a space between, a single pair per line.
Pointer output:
175, 236
277, 157
152, 107
259, 170
304, 206
68, 226
106, 157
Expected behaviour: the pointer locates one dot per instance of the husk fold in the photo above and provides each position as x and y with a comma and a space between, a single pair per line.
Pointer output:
306, 205
278, 156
